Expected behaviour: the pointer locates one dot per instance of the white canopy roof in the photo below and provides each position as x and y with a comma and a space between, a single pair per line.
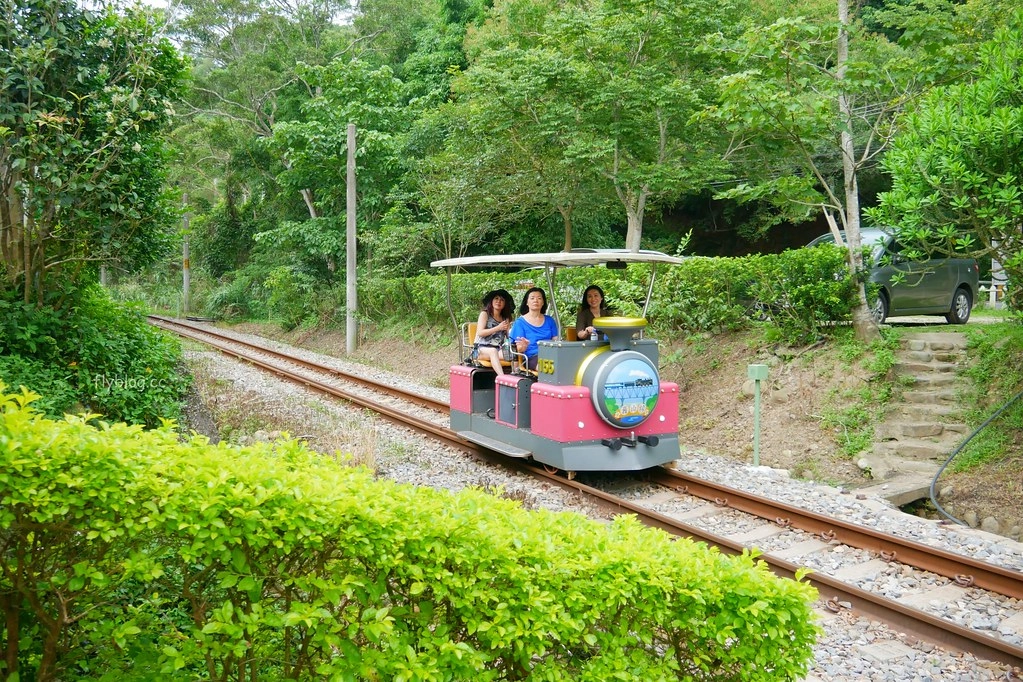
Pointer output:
560, 259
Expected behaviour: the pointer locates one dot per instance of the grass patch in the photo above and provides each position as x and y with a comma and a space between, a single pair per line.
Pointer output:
853, 412
998, 374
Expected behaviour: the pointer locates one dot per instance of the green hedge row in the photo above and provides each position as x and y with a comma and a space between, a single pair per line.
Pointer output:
129, 555
798, 292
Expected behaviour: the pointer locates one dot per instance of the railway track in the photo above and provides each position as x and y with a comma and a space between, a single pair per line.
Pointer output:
684, 505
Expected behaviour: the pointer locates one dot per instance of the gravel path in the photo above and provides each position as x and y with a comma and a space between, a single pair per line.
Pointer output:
262, 406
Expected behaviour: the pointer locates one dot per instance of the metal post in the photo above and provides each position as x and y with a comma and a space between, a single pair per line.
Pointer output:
351, 291
757, 373
186, 266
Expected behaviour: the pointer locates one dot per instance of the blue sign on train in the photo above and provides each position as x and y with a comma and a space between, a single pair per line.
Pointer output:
629, 391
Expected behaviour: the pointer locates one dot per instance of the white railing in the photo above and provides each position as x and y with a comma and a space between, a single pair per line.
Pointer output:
995, 290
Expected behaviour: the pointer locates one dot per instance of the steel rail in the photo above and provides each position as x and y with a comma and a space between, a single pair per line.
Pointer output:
417, 398
965, 571
394, 415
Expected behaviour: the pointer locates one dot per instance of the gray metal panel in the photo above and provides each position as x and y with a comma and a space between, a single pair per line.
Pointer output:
494, 444
594, 456
460, 421
513, 403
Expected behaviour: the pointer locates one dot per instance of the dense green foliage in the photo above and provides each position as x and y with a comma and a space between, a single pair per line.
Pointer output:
958, 166
797, 294
85, 105
999, 380
129, 554
91, 355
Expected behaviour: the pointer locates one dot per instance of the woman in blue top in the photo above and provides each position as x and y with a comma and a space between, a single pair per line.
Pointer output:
533, 325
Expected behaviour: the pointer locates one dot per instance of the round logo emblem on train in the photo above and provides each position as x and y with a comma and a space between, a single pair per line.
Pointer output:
625, 389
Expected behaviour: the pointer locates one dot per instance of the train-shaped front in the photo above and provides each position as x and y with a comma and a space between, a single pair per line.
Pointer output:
592, 405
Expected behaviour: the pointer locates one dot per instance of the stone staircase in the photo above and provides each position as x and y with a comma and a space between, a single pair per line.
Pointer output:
921, 430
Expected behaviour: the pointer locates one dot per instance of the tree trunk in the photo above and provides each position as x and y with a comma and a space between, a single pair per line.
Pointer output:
307, 197
11, 606
863, 322
635, 206
566, 220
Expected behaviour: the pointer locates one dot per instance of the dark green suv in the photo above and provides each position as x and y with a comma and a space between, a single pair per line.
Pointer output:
938, 286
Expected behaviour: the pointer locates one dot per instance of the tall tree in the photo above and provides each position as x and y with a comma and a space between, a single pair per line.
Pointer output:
248, 58
810, 107
606, 89
350, 91
84, 107
519, 128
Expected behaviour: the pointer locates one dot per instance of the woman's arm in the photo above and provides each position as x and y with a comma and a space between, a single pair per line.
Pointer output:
481, 326
583, 322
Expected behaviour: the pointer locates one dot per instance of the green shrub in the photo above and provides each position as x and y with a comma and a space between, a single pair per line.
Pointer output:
240, 295
55, 384
999, 378
130, 554
705, 295
805, 290
108, 359
290, 295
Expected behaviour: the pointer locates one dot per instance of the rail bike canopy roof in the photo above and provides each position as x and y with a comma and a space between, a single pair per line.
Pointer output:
615, 259
612, 258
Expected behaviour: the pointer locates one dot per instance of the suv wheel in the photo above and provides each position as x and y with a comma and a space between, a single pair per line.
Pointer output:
879, 309
962, 304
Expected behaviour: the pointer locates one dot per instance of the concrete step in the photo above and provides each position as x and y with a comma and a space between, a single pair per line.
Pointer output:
931, 397
908, 368
939, 340
899, 429
929, 382
914, 449
923, 428
939, 412
903, 488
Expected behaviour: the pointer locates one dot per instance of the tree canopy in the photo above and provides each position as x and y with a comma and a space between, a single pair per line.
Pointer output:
85, 106
957, 165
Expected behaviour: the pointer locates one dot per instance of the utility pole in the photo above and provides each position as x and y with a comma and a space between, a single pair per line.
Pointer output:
186, 267
351, 292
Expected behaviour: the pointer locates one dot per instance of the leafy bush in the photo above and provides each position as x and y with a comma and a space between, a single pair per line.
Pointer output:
805, 289
706, 294
55, 384
240, 295
1000, 380
130, 554
93, 353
